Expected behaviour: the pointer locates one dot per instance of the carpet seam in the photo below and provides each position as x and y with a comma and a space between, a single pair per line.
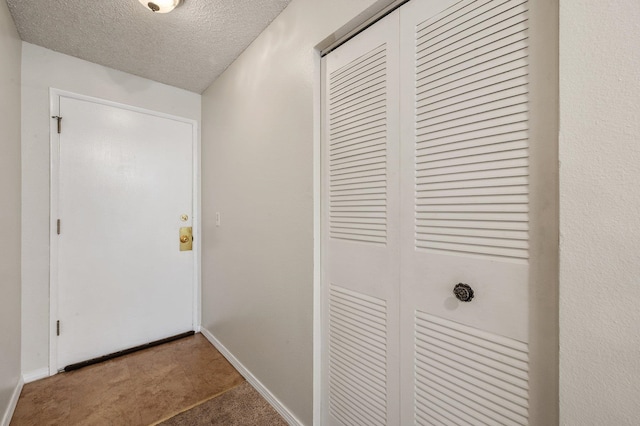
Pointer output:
164, 419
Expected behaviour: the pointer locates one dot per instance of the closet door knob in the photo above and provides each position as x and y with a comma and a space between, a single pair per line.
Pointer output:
463, 292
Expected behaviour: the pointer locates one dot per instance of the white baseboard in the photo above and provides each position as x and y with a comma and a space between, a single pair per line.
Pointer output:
8, 414
262, 389
32, 376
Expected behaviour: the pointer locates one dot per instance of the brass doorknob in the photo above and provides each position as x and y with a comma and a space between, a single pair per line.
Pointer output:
184, 239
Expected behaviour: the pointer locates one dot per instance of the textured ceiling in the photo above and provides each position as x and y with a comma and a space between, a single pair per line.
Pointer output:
186, 48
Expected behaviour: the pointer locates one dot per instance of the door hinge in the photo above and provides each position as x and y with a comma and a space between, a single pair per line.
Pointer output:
58, 226
58, 328
57, 117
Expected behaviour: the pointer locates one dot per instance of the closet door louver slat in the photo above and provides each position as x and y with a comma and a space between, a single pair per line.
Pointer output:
357, 153
479, 377
357, 358
470, 38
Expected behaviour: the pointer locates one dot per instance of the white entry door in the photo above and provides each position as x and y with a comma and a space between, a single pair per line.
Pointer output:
124, 189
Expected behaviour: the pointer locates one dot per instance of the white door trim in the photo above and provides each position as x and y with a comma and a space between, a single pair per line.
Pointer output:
318, 106
54, 99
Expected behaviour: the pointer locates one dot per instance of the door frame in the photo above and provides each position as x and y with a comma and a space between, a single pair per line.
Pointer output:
54, 188
544, 231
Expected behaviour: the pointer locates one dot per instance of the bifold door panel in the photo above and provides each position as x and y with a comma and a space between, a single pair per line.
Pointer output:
361, 213
426, 190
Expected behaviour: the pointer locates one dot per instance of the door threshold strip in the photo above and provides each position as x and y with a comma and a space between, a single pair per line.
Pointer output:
103, 358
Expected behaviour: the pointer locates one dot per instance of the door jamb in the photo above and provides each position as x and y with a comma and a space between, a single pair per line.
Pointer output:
54, 186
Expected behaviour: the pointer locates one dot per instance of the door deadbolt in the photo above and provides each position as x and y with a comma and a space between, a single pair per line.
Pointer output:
186, 238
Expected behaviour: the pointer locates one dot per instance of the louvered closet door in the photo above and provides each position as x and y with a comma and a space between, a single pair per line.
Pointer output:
464, 91
361, 231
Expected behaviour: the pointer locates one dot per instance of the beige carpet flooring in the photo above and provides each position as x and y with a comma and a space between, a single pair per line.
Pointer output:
140, 389
240, 406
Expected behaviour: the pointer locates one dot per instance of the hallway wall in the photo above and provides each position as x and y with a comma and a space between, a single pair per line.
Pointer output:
257, 156
599, 212
9, 210
42, 69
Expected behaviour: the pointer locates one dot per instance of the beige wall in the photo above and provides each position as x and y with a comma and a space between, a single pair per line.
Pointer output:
257, 143
599, 212
9, 209
42, 69
258, 159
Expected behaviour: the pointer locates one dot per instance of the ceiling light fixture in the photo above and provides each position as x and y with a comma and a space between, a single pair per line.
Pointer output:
161, 6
